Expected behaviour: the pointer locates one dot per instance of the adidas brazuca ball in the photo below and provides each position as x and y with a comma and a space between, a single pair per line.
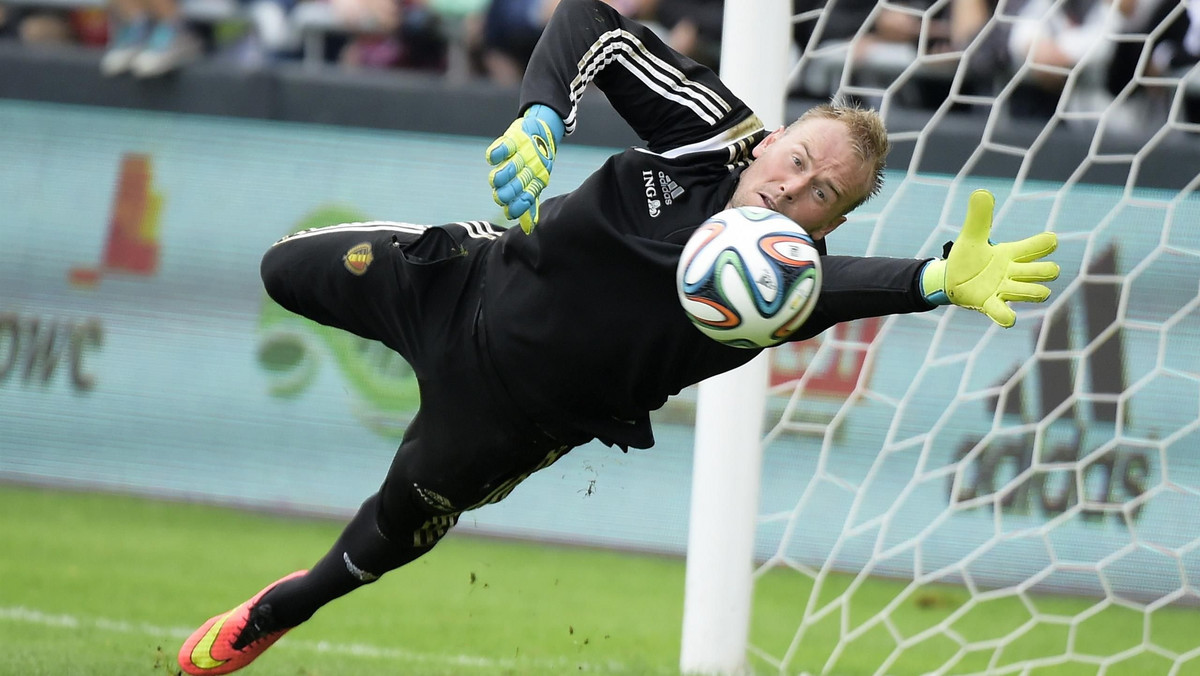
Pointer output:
749, 277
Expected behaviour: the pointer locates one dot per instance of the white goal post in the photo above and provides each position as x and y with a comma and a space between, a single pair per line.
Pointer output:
932, 494
730, 408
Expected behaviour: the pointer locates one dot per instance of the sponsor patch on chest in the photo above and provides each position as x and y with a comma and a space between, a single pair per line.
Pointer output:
660, 189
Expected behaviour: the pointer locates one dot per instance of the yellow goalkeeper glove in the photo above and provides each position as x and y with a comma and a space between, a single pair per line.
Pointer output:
984, 276
523, 157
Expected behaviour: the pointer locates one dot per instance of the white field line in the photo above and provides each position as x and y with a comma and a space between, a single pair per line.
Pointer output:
23, 615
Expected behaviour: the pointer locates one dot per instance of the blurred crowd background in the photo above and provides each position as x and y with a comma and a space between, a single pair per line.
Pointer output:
493, 39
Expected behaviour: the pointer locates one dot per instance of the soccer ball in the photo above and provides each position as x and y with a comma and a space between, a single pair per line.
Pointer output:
749, 277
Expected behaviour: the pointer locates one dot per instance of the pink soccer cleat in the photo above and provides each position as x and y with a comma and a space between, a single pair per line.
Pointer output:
233, 639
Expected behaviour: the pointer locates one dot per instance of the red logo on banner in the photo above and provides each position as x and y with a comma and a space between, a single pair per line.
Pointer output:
132, 243
837, 376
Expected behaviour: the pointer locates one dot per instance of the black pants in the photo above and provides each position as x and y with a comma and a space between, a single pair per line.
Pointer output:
417, 289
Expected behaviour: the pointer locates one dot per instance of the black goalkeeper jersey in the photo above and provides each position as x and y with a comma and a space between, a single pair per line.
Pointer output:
581, 318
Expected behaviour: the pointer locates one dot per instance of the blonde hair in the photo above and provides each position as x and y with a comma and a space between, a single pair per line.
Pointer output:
868, 137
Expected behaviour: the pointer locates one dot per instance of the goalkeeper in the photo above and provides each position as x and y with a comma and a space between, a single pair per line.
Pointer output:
532, 340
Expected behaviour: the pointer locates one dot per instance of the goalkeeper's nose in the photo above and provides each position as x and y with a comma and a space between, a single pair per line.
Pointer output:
790, 189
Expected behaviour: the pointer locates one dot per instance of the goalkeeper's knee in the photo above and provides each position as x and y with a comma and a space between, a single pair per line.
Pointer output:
413, 517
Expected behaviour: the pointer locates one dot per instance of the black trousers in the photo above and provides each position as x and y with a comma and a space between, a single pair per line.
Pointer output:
417, 290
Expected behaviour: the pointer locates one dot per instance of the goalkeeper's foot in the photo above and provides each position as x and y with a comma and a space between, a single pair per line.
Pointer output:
234, 639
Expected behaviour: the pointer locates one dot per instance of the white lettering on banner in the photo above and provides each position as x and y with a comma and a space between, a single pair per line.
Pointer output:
1103, 485
1029, 468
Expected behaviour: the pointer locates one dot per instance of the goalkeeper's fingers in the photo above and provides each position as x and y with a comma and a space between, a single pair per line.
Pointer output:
529, 219
999, 311
506, 146
524, 203
1024, 292
977, 226
1033, 248
505, 173
1041, 271
506, 193
500, 150
1019, 286
1026, 268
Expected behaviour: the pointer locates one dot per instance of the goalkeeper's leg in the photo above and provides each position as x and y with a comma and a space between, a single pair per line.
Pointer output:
453, 459
380, 280
343, 276
362, 553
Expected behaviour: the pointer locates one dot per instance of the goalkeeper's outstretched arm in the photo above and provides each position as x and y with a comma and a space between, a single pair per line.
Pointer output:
976, 274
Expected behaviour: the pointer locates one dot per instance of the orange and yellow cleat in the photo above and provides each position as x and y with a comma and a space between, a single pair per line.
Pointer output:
232, 640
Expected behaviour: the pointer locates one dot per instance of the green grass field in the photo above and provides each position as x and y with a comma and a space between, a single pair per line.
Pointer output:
110, 585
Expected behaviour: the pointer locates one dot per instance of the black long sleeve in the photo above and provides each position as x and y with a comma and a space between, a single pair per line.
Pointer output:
667, 98
857, 288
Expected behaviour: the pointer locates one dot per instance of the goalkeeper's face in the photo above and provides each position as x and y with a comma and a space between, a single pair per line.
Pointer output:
809, 173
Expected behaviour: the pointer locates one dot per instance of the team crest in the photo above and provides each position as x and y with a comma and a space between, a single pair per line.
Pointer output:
358, 259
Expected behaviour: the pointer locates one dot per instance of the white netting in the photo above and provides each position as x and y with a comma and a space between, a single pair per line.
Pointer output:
944, 496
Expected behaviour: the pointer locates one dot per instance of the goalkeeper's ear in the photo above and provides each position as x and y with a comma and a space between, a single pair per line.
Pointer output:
819, 234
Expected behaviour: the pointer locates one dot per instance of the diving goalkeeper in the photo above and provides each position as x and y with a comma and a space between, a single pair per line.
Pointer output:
532, 340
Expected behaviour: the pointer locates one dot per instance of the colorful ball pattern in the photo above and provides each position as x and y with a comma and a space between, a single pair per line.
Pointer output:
749, 277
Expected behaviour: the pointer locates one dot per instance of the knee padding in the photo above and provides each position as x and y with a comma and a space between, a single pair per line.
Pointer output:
368, 550
413, 515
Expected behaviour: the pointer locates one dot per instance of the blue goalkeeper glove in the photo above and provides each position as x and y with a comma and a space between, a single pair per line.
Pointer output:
523, 157
984, 276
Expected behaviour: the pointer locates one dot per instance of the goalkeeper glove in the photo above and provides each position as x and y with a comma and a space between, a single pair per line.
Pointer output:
523, 157
984, 276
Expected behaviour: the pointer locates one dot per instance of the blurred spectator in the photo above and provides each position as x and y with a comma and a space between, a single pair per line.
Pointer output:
989, 63
501, 38
1066, 34
881, 42
842, 20
37, 26
392, 34
275, 35
1188, 57
693, 27
505, 36
54, 26
1173, 41
1191, 37
1170, 48
149, 39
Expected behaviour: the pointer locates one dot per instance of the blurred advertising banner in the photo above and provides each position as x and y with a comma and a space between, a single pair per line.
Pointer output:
138, 352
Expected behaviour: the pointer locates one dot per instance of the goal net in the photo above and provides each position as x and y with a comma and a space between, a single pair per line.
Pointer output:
940, 495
